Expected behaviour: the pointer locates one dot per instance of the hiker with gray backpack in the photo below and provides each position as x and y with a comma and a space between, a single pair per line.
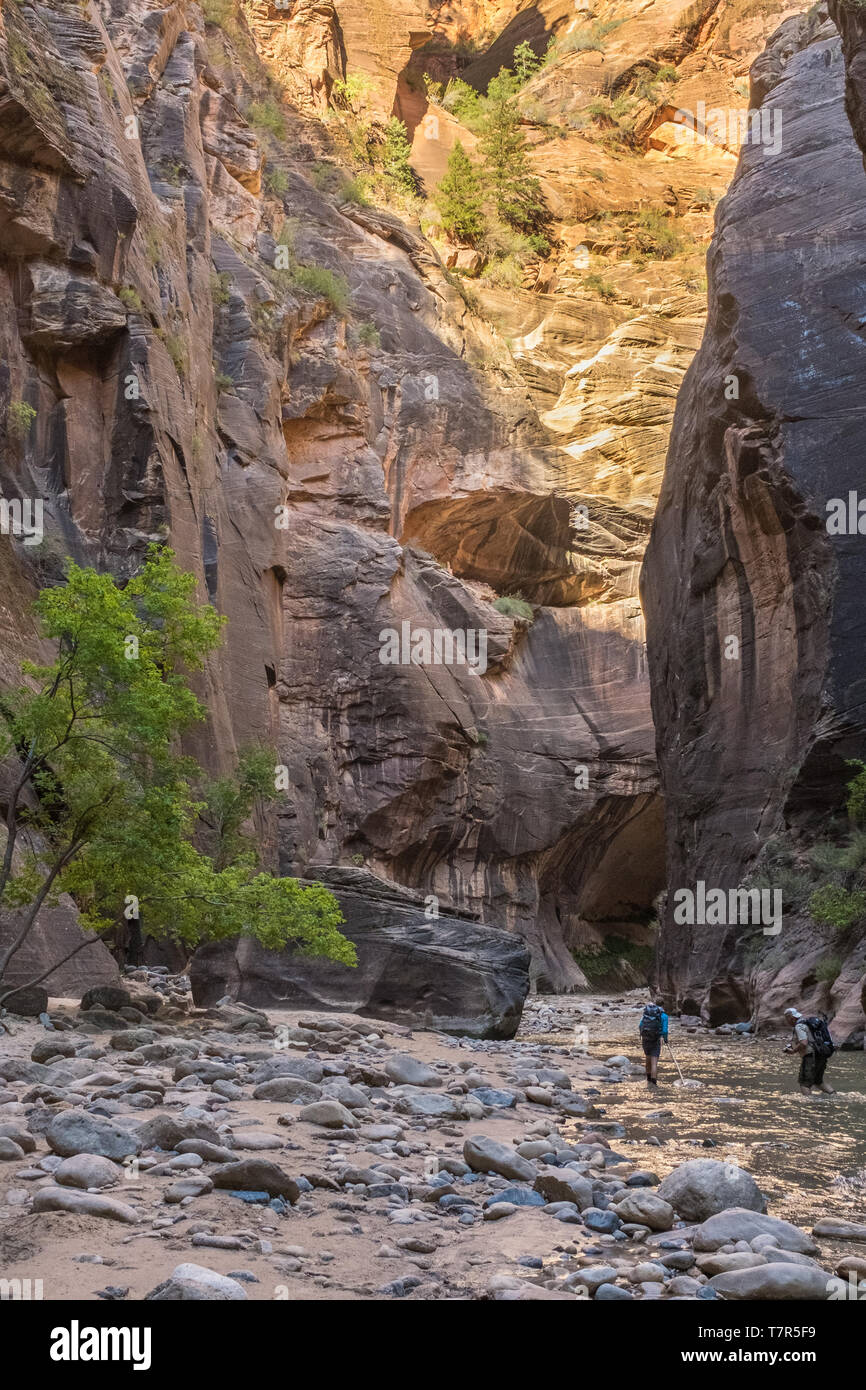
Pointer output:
653, 1029
814, 1046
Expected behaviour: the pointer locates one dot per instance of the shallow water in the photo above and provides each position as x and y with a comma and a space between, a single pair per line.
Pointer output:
807, 1155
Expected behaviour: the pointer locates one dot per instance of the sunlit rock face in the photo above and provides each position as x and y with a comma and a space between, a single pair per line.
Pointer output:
755, 623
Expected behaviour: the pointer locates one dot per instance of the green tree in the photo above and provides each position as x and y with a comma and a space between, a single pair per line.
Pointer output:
102, 805
459, 198
396, 153
514, 189
526, 62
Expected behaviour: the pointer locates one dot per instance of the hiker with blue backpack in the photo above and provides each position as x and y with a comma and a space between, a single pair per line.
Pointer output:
653, 1029
814, 1046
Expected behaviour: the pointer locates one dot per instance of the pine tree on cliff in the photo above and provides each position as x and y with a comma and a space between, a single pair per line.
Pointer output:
459, 198
396, 153
514, 189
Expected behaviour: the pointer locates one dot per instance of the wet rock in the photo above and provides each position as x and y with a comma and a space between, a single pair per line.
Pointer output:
517, 1197
195, 1283
489, 1156
496, 1099
700, 1188
592, 1277
603, 1222
83, 1203
77, 1132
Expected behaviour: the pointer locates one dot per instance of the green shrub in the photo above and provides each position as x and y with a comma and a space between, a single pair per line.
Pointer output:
217, 12
855, 803
276, 181
828, 970
316, 279
19, 418
514, 606
222, 381
267, 115
369, 335
657, 235
130, 299
834, 906
608, 961
599, 286
176, 349
219, 287
465, 103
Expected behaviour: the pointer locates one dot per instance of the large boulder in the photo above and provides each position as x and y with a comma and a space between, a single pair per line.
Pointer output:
54, 935
727, 1227
700, 1188
777, 1281
78, 1132
450, 973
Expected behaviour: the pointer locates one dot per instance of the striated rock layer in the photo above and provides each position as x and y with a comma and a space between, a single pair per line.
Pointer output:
755, 615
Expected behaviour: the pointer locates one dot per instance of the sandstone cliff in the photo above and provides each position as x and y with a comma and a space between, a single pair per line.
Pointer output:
753, 610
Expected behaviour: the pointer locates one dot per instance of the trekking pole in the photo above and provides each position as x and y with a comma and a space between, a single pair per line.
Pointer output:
674, 1060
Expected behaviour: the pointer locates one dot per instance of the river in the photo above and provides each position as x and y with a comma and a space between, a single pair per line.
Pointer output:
807, 1155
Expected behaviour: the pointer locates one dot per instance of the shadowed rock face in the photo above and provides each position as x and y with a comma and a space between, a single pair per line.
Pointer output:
755, 615
445, 973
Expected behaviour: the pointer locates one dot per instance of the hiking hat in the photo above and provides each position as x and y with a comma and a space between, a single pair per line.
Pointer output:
793, 1013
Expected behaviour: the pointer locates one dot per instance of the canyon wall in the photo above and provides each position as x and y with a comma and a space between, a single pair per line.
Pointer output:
755, 619
377, 442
